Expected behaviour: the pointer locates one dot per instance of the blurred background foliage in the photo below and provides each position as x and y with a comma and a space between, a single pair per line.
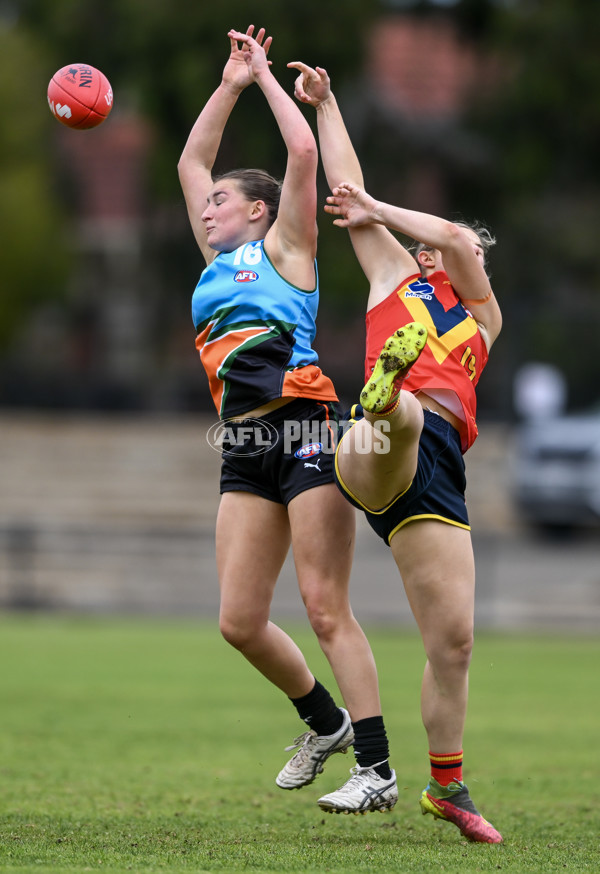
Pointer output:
95, 308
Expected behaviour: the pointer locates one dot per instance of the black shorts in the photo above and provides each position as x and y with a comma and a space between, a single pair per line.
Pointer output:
437, 490
283, 453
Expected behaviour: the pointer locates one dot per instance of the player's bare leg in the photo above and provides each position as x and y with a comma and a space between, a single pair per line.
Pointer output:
436, 563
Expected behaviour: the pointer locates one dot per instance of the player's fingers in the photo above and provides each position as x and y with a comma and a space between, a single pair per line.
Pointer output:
299, 92
298, 65
235, 36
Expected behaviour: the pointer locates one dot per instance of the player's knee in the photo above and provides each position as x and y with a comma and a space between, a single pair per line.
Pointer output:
237, 634
453, 652
462, 651
324, 621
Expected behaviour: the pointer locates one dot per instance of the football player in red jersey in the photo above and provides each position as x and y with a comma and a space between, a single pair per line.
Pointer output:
431, 320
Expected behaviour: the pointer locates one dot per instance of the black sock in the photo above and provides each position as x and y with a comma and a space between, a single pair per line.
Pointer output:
319, 710
371, 745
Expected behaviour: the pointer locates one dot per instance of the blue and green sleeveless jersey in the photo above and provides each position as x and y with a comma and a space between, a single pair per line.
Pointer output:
255, 332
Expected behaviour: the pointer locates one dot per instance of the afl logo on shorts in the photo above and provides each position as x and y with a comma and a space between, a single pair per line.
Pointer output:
246, 437
245, 276
308, 450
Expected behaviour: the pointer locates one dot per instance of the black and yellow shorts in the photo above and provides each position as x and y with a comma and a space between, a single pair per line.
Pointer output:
437, 490
282, 454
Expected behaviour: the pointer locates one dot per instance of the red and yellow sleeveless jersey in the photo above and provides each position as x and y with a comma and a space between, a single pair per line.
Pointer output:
451, 363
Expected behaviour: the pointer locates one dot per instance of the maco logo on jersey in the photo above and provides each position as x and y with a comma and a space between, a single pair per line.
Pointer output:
245, 276
308, 450
421, 289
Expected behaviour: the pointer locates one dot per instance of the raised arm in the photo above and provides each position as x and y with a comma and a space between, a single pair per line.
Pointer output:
293, 237
340, 161
460, 250
200, 152
383, 259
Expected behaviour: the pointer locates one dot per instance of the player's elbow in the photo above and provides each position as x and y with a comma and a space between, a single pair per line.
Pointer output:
304, 150
455, 238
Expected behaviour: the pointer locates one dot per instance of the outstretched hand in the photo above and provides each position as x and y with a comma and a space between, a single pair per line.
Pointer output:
247, 62
354, 206
311, 86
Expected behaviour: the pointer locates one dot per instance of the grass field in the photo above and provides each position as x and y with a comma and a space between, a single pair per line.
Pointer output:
147, 745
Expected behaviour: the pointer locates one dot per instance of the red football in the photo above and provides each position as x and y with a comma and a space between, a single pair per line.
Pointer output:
80, 96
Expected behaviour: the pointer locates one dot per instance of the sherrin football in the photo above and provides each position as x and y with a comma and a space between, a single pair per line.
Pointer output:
80, 96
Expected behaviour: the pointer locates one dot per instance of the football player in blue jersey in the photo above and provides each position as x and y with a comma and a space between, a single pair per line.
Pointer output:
254, 309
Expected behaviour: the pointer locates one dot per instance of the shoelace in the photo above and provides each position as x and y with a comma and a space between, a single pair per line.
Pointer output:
357, 780
301, 741
357, 773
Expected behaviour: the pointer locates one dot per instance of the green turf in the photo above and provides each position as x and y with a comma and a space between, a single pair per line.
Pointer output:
134, 745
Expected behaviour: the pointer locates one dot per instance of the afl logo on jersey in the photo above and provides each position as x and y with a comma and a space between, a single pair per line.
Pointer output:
308, 450
245, 276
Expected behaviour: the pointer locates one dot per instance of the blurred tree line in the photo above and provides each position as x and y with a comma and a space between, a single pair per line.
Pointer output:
523, 157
